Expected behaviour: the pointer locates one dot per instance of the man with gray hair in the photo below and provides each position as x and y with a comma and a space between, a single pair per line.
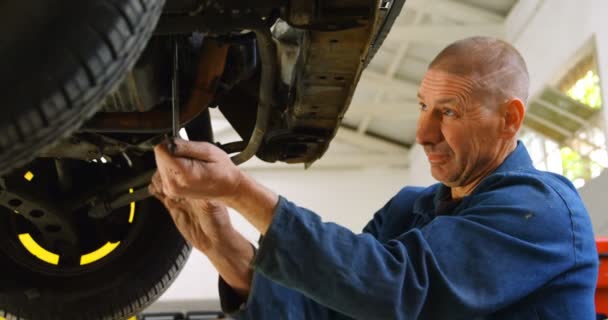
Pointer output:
495, 239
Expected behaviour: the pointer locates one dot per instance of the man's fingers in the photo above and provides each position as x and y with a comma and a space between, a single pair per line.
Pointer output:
172, 203
178, 214
186, 225
199, 150
156, 185
181, 219
211, 206
174, 171
165, 161
157, 181
154, 192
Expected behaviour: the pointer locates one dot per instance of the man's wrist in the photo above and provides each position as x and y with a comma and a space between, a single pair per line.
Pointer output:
222, 242
232, 259
254, 202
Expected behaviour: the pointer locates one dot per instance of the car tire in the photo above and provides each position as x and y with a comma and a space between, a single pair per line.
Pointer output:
117, 287
60, 58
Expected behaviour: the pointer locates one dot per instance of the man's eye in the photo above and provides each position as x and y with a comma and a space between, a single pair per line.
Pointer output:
449, 113
422, 107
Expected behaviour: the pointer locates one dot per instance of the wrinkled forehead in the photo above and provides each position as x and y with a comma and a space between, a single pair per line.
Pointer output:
439, 84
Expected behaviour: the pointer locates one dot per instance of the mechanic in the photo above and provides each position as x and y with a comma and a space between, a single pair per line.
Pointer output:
494, 239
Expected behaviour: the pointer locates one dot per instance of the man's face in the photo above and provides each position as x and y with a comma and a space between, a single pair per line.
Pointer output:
460, 136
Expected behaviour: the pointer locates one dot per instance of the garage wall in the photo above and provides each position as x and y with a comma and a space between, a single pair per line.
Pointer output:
594, 196
419, 173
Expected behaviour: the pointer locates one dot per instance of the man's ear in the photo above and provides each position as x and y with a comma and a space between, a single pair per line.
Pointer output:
514, 111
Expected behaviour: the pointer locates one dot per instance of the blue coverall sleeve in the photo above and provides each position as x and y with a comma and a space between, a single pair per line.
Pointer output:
270, 300
489, 256
407, 196
374, 226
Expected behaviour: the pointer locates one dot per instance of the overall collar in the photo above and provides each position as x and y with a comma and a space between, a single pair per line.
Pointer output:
517, 160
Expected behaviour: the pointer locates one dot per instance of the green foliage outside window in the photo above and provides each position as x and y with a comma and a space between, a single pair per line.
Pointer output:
575, 166
587, 90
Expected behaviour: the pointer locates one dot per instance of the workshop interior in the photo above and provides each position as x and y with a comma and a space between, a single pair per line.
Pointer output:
315, 99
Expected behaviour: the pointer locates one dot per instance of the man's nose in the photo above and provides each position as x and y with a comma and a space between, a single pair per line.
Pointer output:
428, 130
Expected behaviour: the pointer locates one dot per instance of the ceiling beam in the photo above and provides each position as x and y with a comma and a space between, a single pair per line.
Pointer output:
563, 112
334, 162
406, 89
550, 125
444, 34
367, 142
389, 75
364, 123
397, 59
407, 108
520, 16
454, 10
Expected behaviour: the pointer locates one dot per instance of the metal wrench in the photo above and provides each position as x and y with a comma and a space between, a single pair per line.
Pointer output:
175, 100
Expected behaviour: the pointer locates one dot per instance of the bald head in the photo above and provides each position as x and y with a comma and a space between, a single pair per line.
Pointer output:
496, 67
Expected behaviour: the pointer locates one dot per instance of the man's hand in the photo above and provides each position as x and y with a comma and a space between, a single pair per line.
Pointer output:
203, 223
206, 225
197, 170
200, 170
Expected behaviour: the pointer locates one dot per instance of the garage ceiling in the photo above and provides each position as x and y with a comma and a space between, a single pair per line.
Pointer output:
379, 126
385, 104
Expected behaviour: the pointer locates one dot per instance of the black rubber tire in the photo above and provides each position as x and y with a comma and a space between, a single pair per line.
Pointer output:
129, 280
60, 58
385, 28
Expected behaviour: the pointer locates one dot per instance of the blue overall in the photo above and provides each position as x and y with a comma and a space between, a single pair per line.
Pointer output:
521, 246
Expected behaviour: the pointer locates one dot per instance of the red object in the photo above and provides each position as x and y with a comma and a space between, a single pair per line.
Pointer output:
601, 293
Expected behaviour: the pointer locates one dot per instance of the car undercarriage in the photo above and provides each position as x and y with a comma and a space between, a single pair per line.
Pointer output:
76, 158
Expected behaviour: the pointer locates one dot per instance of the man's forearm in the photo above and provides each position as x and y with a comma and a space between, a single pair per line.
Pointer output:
233, 254
232, 259
255, 203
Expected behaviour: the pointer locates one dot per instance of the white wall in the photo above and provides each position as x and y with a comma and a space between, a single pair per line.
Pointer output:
419, 173
594, 196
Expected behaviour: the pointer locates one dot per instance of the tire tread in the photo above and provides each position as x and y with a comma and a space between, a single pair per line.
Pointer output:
73, 102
